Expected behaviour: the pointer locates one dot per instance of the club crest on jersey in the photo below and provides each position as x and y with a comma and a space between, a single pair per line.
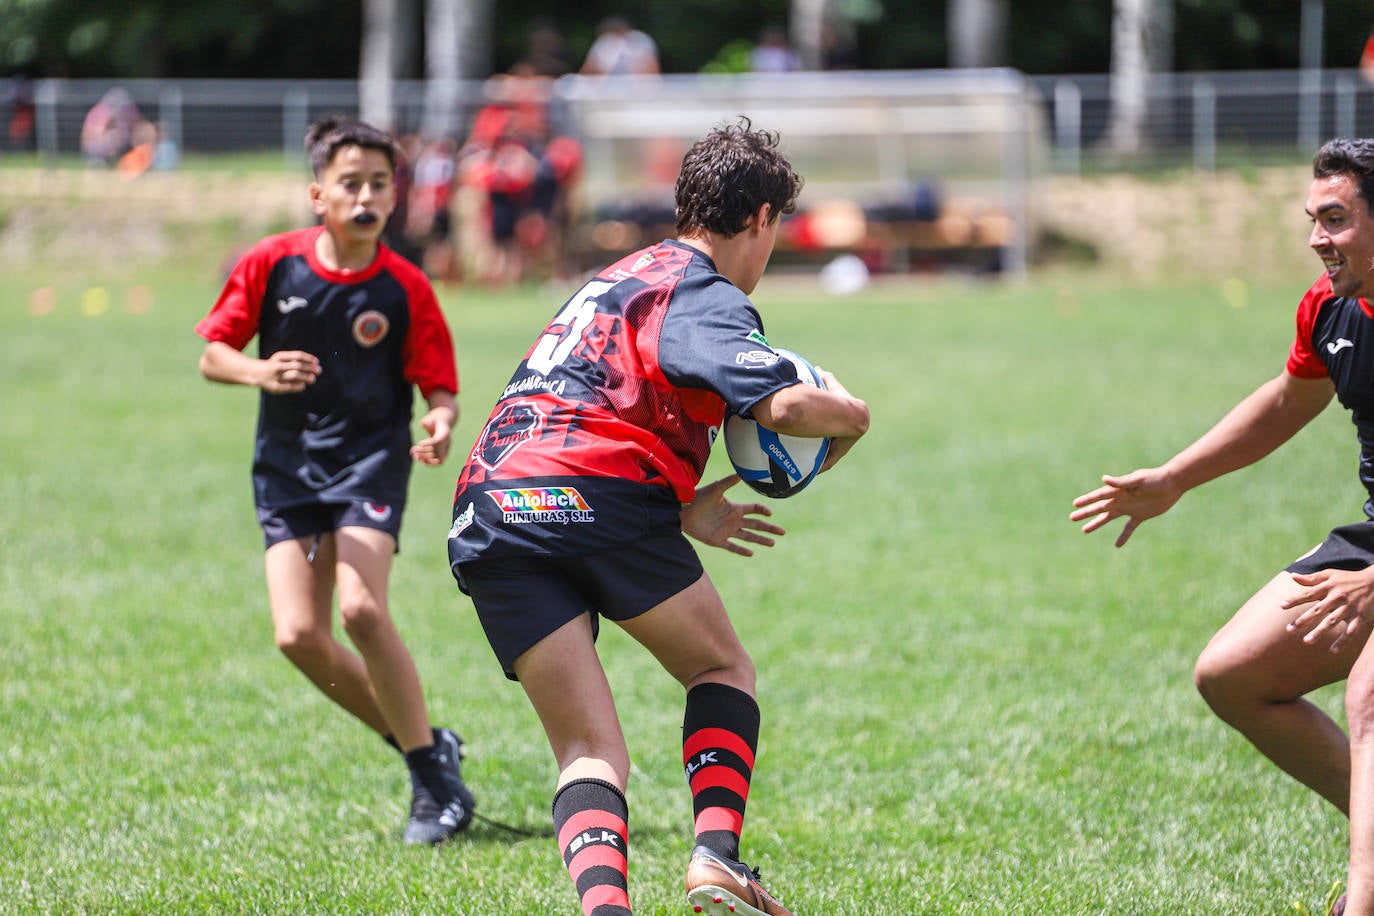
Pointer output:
542, 505
516, 423
370, 327
377, 511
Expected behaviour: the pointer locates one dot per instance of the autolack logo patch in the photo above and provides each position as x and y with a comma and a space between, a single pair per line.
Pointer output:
542, 505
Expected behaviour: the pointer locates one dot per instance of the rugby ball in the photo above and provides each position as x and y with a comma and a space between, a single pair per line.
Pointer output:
775, 464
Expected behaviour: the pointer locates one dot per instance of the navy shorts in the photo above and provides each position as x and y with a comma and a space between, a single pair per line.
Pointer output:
521, 600
314, 519
1346, 547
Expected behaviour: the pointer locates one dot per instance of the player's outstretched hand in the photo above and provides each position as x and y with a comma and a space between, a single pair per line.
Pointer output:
1338, 602
289, 371
713, 519
1136, 496
433, 449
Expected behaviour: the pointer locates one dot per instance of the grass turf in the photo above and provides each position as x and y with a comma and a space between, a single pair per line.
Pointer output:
969, 707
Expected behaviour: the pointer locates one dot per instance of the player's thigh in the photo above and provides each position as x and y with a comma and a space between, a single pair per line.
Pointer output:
363, 567
1255, 649
566, 685
299, 591
691, 635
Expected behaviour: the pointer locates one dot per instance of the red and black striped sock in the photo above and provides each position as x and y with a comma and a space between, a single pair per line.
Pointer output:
720, 735
590, 817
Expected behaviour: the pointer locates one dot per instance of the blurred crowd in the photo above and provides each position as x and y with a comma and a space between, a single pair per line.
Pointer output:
497, 206
115, 135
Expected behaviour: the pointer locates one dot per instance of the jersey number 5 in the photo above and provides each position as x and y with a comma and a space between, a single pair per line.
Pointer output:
555, 346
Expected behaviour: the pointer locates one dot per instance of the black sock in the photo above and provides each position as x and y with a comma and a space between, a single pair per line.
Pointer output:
720, 736
391, 740
590, 818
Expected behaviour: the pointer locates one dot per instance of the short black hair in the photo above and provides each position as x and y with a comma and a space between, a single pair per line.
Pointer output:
325, 137
1353, 157
728, 174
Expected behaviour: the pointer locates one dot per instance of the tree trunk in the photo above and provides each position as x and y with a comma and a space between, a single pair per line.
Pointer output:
1142, 43
376, 64
977, 33
806, 24
457, 47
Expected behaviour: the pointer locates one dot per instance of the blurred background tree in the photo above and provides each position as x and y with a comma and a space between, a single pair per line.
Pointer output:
324, 38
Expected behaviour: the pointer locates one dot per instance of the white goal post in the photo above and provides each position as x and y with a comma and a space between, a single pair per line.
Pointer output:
879, 145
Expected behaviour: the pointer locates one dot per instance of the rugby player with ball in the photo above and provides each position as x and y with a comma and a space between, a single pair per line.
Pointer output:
574, 501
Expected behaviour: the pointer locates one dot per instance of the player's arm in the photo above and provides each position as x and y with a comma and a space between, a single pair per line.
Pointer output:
438, 422
811, 412
1266, 419
283, 372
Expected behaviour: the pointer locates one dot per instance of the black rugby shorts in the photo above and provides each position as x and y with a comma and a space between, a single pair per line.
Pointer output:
1346, 547
521, 600
314, 519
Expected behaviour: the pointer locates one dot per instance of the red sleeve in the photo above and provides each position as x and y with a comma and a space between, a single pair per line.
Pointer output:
430, 364
1302, 359
234, 317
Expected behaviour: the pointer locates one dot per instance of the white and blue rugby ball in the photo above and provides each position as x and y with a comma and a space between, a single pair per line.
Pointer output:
775, 464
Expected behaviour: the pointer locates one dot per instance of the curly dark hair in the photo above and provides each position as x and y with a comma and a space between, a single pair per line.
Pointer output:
325, 137
1343, 156
728, 174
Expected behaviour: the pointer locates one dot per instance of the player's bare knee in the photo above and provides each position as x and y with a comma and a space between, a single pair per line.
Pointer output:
1222, 682
301, 644
361, 619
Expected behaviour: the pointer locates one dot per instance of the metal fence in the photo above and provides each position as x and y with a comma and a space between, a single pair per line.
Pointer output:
1208, 119
1205, 119
870, 140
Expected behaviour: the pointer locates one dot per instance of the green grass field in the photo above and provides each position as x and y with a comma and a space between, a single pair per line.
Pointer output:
969, 706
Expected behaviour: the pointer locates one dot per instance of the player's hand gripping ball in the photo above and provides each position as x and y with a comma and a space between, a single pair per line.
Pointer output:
775, 464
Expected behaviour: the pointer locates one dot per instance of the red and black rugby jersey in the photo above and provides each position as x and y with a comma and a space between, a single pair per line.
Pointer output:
605, 428
1335, 339
376, 332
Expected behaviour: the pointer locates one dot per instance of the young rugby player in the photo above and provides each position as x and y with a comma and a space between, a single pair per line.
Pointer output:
346, 328
573, 504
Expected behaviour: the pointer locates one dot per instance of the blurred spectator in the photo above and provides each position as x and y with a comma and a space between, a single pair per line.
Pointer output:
620, 50
396, 235
16, 101
514, 183
107, 132
166, 155
545, 52
149, 148
428, 225
139, 157
773, 53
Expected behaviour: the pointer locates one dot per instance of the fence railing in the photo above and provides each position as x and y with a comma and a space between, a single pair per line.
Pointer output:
1205, 119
